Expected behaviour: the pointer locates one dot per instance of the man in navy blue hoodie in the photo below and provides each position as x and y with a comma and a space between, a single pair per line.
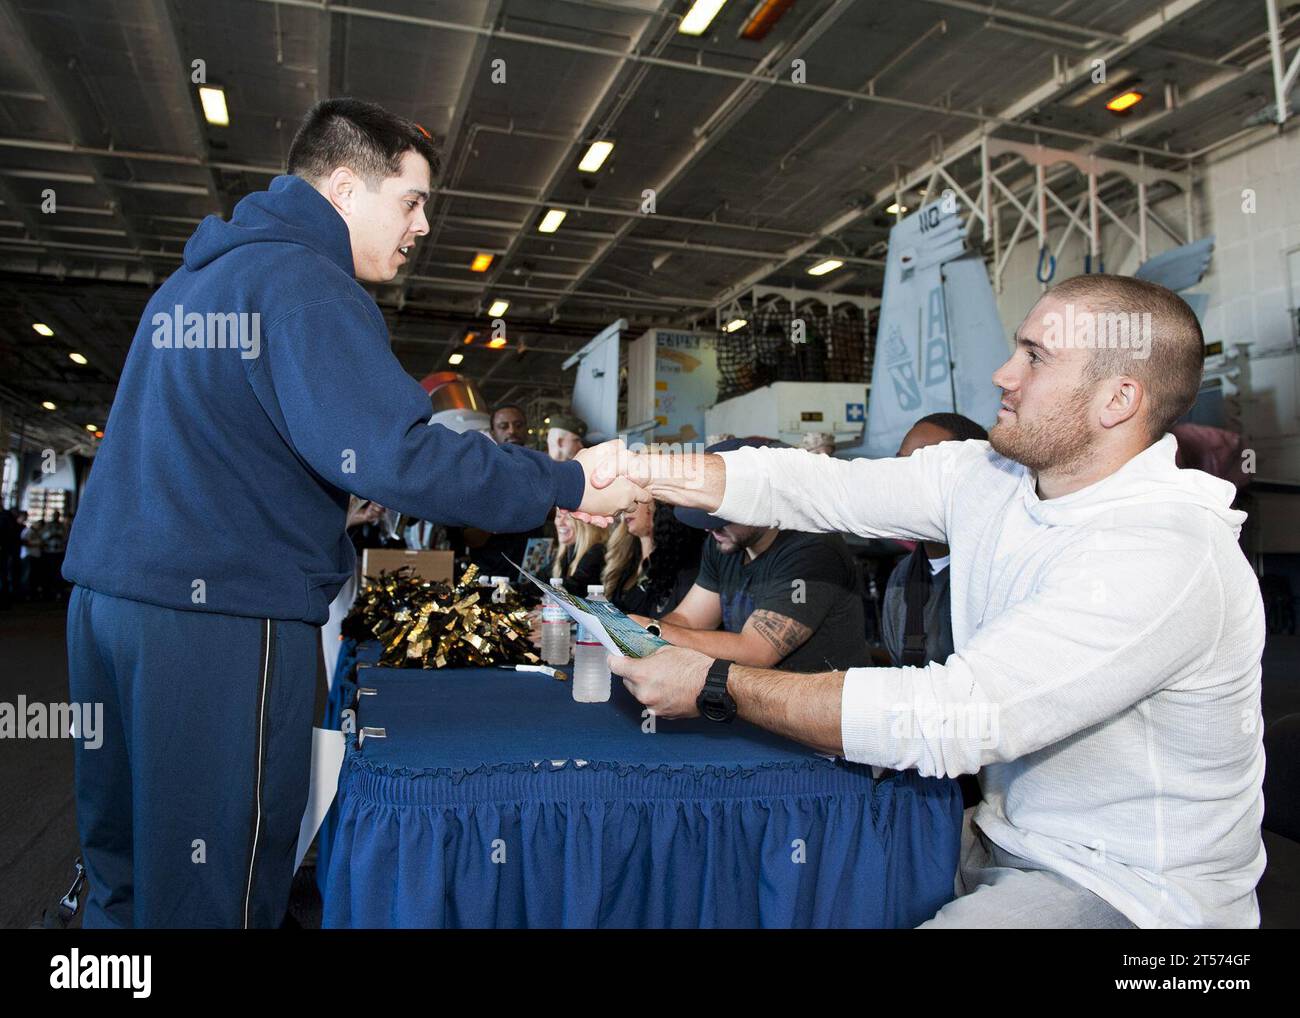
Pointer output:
259, 391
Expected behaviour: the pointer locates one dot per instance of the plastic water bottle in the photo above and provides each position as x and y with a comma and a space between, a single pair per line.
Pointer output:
591, 678
555, 629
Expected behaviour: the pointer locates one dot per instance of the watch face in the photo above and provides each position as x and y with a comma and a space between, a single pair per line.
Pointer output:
717, 706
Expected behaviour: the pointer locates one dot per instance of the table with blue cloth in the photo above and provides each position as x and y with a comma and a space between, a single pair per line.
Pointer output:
492, 799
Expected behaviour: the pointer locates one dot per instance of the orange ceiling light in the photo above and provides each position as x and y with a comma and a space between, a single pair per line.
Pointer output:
497, 343
765, 16
482, 261
1124, 101
470, 337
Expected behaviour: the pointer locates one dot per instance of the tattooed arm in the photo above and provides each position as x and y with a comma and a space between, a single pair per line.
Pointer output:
766, 639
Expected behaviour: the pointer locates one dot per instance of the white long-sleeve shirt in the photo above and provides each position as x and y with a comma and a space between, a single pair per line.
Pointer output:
1105, 682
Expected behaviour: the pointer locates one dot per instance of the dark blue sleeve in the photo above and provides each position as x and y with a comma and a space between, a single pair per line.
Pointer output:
361, 422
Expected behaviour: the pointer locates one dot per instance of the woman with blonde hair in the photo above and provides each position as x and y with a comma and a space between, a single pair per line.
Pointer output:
581, 552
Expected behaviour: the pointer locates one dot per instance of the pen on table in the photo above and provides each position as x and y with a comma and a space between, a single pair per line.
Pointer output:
554, 673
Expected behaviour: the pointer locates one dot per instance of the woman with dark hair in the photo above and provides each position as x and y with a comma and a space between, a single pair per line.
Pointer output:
650, 561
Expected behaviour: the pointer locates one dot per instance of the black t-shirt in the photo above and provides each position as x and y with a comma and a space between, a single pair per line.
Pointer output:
811, 578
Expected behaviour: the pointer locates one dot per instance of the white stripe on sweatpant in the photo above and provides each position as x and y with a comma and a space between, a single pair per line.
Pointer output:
261, 755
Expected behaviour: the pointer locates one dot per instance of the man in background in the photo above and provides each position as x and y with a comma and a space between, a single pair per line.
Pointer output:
916, 621
766, 597
917, 618
509, 425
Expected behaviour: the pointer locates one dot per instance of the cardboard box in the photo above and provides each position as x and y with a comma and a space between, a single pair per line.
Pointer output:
428, 565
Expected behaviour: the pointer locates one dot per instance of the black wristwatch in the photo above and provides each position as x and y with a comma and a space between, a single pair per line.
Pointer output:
714, 702
653, 629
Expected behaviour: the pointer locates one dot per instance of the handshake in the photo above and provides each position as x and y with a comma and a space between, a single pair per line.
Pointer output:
617, 478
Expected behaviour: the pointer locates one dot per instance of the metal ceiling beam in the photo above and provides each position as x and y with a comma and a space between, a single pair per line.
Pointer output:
1033, 20
460, 110
729, 112
1047, 92
72, 148
178, 72
590, 128
39, 68
1205, 89
458, 285
776, 81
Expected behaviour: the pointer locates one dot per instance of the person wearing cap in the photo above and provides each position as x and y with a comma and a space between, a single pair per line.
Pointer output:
566, 437
766, 597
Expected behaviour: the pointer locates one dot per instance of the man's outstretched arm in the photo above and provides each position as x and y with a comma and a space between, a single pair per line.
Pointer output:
796, 490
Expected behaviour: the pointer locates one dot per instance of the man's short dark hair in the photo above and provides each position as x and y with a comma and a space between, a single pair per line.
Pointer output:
507, 406
959, 426
365, 138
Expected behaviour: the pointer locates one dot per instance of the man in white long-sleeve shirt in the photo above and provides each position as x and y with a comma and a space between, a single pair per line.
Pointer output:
1105, 683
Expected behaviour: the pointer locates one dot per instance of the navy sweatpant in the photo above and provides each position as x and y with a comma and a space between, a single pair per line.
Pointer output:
189, 809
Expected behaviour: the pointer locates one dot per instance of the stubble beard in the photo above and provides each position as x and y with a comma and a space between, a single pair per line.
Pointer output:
1057, 440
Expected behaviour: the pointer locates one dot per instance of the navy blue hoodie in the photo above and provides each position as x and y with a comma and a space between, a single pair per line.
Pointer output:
222, 481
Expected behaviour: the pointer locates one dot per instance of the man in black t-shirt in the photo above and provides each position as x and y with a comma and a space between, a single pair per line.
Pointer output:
781, 598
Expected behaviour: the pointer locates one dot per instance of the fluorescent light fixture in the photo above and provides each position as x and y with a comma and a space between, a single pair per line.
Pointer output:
47, 405
551, 221
92, 427
77, 358
700, 16
596, 156
498, 308
734, 324
42, 329
481, 262
821, 268
1124, 101
895, 209
214, 105
456, 358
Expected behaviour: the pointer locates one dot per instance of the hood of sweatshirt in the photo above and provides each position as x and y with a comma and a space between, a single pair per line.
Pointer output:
1150, 478
291, 211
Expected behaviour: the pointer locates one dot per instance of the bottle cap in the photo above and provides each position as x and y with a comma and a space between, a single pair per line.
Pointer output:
596, 590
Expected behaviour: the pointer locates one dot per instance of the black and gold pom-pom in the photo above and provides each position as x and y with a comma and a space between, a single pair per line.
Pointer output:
428, 624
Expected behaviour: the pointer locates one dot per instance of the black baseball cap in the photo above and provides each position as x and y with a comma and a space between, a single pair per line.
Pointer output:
698, 518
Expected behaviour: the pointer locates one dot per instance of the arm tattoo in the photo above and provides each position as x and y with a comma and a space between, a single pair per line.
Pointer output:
784, 634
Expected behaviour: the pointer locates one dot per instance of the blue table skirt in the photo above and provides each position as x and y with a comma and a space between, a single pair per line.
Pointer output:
798, 842
802, 846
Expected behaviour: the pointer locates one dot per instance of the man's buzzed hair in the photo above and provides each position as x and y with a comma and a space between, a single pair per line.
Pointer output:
508, 406
1171, 375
